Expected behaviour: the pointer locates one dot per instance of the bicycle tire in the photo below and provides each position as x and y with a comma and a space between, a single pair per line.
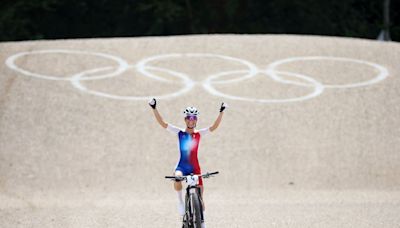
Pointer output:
196, 213
185, 222
187, 217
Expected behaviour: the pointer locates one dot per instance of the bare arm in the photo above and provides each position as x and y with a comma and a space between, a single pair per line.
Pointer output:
217, 122
159, 119
219, 118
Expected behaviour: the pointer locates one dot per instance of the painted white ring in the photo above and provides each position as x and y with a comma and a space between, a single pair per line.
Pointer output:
184, 77
318, 88
142, 65
383, 72
252, 71
76, 82
10, 62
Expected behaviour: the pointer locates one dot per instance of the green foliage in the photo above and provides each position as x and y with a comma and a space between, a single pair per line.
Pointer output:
52, 19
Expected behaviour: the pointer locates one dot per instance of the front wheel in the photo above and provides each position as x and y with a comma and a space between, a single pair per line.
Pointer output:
185, 221
196, 210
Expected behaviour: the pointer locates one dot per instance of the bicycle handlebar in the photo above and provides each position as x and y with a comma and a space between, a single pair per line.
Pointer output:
181, 178
214, 173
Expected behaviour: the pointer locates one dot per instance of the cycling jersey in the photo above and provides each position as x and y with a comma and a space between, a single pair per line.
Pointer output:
188, 145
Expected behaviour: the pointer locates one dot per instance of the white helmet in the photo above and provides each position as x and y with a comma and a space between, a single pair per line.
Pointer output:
191, 111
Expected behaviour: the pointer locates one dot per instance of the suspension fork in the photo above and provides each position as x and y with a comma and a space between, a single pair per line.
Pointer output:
189, 203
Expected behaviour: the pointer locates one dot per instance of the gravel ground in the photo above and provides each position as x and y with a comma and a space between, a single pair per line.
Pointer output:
316, 145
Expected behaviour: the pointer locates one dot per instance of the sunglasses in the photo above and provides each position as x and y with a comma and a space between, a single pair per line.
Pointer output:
191, 117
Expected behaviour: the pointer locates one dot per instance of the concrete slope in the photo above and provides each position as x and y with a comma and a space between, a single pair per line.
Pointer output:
311, 137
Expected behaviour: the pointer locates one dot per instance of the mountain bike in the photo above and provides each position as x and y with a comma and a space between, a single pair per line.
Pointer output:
193, 200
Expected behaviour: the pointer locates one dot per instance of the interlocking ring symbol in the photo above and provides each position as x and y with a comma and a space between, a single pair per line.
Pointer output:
144, 68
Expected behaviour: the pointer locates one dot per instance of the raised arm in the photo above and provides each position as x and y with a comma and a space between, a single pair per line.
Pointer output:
219, 118
153, 104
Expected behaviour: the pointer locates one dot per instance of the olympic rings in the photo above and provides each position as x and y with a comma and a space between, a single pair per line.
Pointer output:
383, 72
318, 88
10, 62
77, 78
251, 67
144, 68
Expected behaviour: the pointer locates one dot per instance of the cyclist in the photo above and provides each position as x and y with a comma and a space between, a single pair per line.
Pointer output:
189, 140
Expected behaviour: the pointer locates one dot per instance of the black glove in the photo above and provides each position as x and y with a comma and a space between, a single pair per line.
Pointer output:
153, 103
223, 107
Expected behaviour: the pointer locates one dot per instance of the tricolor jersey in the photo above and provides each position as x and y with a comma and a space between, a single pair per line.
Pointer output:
188, 145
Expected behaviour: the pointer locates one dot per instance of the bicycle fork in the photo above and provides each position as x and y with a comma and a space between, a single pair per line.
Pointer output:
193, 192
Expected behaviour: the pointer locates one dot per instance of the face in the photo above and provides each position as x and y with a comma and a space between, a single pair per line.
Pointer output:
191, 121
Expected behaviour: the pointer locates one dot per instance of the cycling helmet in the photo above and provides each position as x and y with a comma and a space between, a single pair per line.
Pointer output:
191, 111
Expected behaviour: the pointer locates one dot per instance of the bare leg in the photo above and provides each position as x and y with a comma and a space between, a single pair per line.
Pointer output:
178, 189
178, 185
202, 198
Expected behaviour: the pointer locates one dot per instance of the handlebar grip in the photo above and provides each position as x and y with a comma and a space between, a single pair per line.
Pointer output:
213, 173
176, 178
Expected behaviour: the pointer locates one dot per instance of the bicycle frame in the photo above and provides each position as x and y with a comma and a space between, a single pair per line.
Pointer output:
192, 190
